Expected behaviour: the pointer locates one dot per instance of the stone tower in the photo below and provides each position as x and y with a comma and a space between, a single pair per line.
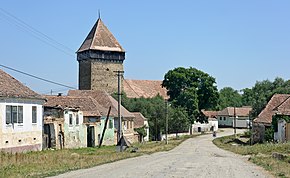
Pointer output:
99, 57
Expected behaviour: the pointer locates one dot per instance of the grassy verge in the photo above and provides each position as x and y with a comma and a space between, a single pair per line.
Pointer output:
261, 154
53, 162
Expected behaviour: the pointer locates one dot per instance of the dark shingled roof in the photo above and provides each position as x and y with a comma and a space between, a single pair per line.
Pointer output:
139, 120
144, 88
88, 105
104, 99
10, 87
240, 111
265, 117
100, 38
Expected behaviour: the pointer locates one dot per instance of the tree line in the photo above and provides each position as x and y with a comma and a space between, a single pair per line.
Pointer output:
190, 91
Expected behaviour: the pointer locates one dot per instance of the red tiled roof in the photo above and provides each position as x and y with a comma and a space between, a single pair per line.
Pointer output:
86, 104
144, 88
265, 116
104, 99
283, 108
138, 120
10, 87
100, 38
240, 111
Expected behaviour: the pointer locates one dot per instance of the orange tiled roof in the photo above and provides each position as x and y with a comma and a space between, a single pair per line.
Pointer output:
144, 88
210, 114
265, 117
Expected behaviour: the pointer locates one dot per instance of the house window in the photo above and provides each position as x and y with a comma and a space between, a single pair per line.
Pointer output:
77, 119
20, 114
34, 114
8, 115
224, 118
14, 114
110, 124
70, 119
221, 118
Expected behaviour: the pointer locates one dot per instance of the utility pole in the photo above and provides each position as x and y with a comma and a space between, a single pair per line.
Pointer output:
235, 120
120, 75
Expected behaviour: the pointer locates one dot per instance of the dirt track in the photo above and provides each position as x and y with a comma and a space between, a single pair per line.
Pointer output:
196, 157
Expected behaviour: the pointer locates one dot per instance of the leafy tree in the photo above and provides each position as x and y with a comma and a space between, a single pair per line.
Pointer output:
229, 97
191, 89
259, 95
178, 120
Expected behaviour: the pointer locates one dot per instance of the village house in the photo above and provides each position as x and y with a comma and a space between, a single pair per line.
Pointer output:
107, 101
264, 119
72, 121
281, 121
211, 125
141, 122
20, 116
238, 117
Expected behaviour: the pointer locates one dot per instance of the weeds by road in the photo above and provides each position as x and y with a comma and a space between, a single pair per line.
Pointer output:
53, 162
261, 154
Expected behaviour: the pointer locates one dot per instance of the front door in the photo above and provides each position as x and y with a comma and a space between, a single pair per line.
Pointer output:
91, 136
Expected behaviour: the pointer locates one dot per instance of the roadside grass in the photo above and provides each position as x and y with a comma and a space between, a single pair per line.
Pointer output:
53, 162
261, 154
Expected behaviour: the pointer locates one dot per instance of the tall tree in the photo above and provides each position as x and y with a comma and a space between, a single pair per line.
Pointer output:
229, 97
191, 89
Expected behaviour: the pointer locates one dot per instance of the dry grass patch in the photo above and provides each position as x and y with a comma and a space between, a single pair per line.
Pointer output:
261, 154
53, 162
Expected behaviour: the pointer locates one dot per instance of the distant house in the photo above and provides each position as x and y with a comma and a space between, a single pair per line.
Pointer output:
211, 125
139, 122
231, 115
106, 100
71, 121
21, 116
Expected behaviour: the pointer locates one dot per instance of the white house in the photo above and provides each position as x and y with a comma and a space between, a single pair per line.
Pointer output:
234, 116
21, 116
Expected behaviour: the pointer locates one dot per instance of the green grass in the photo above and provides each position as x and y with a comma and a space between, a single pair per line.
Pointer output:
53, 162
261, 154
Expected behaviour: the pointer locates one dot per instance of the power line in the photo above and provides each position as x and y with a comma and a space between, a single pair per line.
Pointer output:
39, 78
36, 33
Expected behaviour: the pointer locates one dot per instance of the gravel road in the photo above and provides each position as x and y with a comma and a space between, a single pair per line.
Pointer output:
196, 157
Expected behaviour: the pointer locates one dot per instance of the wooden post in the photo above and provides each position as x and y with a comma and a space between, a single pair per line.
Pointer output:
105, 127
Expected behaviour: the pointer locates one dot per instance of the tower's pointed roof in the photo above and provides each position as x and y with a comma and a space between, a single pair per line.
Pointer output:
100, 38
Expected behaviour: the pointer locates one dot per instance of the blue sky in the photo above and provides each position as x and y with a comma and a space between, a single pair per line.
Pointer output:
237, 42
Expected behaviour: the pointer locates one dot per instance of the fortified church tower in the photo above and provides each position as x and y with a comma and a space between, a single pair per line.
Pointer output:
99, 57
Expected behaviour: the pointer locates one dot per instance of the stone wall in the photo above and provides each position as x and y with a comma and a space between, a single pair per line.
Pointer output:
103, 76
99, 75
